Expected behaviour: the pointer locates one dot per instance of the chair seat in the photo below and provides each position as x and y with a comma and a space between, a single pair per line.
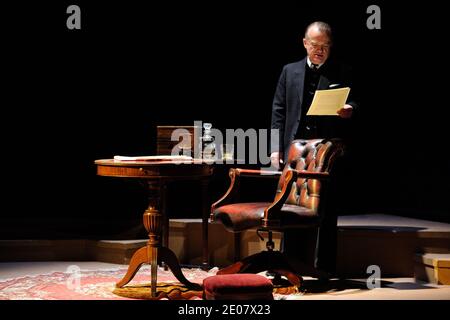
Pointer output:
238, 217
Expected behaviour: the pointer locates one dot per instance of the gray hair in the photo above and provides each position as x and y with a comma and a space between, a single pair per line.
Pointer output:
322, 26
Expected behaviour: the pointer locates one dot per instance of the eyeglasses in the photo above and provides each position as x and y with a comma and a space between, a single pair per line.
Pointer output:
317, 46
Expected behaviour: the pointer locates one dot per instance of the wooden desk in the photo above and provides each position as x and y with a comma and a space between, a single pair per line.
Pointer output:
156, 176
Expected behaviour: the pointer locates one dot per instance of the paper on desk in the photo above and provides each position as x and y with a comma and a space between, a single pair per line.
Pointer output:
328, 102
152, 158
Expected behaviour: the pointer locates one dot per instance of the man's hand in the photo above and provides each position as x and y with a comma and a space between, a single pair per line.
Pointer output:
345, 112
275, 159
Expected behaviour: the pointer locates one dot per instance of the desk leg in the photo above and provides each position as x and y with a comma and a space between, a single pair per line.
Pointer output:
137, 260
205, 218
171, 260
166, 226
153, 252
153, 222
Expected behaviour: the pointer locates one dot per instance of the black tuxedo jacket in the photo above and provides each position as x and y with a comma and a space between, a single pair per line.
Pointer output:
288, 104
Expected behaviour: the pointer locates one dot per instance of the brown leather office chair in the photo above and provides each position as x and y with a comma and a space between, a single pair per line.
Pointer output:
300, 202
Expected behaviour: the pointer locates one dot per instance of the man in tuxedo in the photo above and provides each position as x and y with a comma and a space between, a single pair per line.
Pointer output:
294, 93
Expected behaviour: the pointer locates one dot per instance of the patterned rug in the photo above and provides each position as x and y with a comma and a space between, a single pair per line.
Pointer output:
78, 284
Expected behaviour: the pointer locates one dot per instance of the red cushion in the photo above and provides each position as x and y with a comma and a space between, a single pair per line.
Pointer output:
241, 286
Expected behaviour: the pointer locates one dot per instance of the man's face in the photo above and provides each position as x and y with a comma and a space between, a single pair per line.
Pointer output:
317, 45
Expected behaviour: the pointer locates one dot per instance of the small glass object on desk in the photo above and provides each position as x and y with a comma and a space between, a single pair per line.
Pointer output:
208, 144
227, 152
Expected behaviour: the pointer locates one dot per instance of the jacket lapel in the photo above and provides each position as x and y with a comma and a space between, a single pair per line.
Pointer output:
299, 78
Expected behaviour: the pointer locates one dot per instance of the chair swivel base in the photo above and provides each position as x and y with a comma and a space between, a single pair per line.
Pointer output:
273, 261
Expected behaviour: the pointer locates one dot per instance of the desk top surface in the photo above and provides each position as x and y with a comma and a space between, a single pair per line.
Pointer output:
145, 163
168, 170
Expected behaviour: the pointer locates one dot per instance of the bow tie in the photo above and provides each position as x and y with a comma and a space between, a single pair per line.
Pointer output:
314, 67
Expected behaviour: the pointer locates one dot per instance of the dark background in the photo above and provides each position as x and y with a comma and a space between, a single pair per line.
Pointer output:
73, 96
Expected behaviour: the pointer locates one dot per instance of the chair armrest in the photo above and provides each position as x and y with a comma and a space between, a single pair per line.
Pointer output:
257, 173
232, 189
235, 174
280, 198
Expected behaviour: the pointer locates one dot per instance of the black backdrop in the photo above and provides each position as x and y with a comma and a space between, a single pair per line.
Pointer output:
73, 96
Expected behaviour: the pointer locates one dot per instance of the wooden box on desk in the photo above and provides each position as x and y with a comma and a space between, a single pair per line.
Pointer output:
432, 267
164, 143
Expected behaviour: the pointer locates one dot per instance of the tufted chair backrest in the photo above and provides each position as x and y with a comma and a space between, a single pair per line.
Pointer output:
315, 155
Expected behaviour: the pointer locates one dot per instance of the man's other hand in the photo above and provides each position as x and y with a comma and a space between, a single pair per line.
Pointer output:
345, 112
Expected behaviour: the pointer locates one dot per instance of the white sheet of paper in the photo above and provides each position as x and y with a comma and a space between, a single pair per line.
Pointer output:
328, 102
